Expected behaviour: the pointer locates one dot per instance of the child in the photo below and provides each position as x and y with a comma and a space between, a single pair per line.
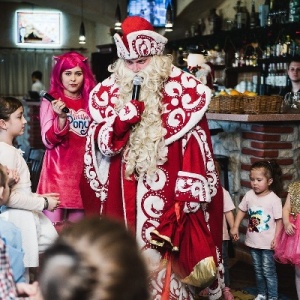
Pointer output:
11, 261
228, 218
287, 249
94, 259
264, 208
24, 208
64, 134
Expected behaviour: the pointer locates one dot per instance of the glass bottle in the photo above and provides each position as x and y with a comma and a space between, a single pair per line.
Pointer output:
270, 14
253, 16
263, 13
215, 21
286, 46
200, 27
241, 16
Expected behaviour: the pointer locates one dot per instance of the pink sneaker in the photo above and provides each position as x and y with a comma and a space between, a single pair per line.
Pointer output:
227, 294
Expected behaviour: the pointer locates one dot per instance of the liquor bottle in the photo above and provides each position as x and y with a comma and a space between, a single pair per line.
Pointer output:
241, 16
278, 48
215, 21
200, 27
271, 13
253, 16
263, 13
286, 46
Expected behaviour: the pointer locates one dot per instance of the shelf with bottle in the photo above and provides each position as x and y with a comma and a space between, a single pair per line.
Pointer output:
239, 37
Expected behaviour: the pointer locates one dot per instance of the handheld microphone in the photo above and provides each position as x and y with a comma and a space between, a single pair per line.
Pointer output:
50, 98
137, 81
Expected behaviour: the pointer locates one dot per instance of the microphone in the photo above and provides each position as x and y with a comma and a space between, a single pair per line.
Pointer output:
50, 98
137, 81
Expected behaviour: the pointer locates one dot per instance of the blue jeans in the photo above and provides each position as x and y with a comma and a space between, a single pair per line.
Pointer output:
265, 272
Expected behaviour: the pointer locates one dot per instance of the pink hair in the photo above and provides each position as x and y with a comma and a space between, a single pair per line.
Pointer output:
68, 61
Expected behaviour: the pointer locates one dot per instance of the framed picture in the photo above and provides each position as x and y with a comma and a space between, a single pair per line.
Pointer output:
38, 28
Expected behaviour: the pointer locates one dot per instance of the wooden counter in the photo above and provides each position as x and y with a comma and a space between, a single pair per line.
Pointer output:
253, 118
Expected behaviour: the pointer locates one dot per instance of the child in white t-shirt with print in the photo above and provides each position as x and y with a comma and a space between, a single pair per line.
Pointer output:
264, 210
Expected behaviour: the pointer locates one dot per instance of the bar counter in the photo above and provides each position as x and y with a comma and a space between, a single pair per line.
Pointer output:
253, 118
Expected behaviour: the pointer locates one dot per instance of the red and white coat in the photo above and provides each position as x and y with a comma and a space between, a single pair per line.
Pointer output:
188, 175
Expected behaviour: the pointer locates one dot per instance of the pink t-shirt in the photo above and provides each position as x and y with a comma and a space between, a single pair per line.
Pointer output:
262, 213
228, 206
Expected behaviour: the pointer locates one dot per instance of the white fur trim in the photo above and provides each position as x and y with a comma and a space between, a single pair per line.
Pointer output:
195, 117
141, 43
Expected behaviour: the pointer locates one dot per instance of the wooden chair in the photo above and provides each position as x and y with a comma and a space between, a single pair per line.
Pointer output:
35, 162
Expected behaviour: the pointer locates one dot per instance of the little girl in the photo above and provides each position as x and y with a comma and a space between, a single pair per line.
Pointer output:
24, 208
287, 249
264, 208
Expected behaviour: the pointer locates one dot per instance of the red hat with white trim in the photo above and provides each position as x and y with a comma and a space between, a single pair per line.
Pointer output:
139, 39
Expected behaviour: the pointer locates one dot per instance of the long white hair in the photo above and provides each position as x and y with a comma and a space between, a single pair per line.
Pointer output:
146, 147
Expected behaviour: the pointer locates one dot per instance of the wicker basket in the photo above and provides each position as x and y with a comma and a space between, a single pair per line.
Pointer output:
214, 105
231, 104
262, 104
274, 106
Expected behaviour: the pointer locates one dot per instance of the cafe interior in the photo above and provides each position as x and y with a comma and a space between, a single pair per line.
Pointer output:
239, 45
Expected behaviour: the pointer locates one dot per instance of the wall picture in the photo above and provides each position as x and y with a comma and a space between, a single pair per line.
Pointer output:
38, 28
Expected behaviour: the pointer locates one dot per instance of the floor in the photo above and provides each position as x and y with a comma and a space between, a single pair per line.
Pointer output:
243, 278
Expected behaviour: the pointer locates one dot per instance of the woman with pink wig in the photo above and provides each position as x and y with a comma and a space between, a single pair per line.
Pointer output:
64, 134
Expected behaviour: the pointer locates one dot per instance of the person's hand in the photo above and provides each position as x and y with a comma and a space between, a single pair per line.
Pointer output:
234, 232
13, 177
27, 289
53, 201
290, 228
58, 106
132, 112
129, 115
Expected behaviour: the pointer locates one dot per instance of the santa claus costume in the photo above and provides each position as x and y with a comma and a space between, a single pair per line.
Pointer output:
150, 162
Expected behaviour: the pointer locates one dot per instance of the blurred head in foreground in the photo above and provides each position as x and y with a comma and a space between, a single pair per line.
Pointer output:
94, 259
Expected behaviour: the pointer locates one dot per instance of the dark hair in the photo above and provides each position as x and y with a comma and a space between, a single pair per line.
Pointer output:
8, 105
94, 259
3, 176
37, 74
295, 58
272, 170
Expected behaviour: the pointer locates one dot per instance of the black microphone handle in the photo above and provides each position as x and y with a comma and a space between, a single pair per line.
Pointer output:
51, 98
136, 92
65, 110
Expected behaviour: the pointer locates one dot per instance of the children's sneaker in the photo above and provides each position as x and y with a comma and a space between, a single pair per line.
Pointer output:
260, 297
227, 294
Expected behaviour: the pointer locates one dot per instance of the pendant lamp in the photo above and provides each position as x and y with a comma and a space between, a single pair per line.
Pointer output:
118, 22
82, 38
169, 18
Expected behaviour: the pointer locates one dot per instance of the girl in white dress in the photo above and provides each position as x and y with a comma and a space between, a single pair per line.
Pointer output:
24, 208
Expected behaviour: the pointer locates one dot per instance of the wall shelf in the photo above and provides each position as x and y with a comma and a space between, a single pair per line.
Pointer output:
238, 38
